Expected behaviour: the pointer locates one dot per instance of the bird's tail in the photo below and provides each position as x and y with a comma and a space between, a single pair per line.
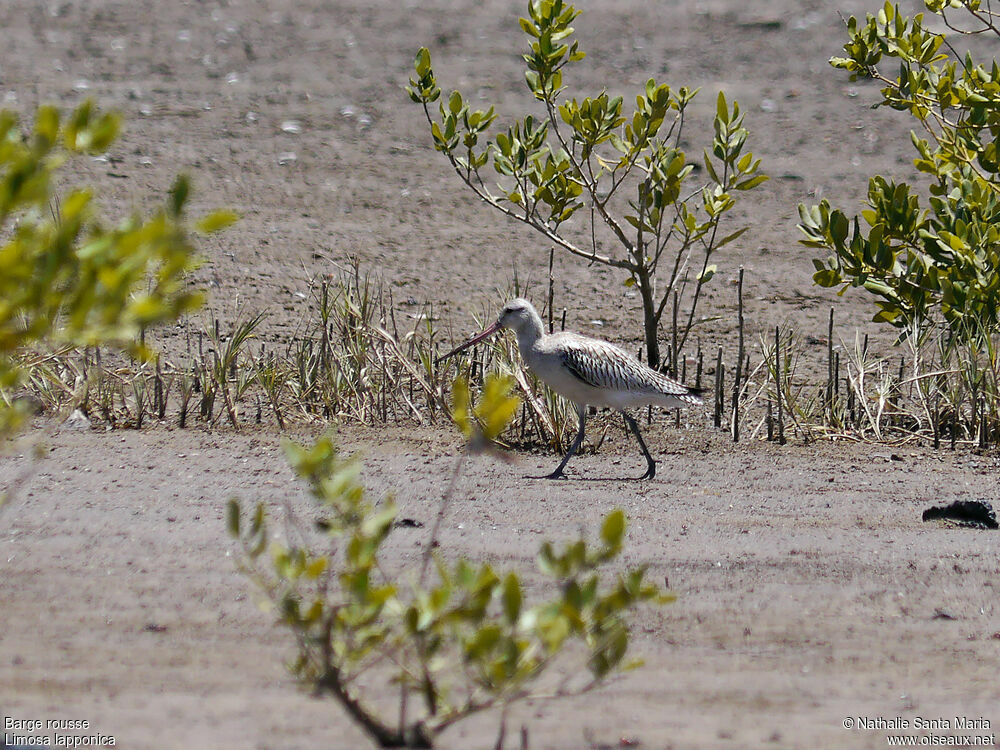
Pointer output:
698, 393
675, 394
677, 399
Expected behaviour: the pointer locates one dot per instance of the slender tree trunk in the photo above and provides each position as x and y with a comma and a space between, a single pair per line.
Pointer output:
645, 284
412, 736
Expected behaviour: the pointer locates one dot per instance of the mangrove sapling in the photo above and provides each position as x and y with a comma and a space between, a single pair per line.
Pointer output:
862, 365
229, 374
272, 377
457, 638
930, 267
187, 382
68, 277
140, 393
792, 396
581, 158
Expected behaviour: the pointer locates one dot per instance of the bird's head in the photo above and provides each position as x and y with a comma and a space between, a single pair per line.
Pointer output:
518, 315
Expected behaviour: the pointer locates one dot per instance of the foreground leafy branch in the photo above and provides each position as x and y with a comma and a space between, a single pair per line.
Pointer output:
581, 155
68, 278
457, 636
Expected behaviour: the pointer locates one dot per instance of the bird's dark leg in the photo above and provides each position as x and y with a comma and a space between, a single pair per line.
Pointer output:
651, 469
581, 410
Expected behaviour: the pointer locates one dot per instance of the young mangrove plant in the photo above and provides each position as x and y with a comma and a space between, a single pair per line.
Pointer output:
932, 267
581, 158
453, 637
68, 277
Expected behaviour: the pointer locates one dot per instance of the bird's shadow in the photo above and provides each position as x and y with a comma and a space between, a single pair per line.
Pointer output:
565, 478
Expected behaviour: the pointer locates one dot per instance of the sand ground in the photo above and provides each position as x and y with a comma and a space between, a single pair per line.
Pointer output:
809, 590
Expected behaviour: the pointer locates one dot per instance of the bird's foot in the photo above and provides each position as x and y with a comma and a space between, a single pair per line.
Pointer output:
650, 472
557, 474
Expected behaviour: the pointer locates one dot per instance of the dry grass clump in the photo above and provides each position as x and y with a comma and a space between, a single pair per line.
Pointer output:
354, 358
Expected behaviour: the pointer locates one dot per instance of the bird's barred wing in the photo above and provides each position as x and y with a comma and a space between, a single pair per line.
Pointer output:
577, 365
604, 366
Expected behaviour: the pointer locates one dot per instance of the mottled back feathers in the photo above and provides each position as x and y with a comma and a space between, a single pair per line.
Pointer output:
606, 367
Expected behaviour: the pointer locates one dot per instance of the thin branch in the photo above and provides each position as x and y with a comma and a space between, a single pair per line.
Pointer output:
384, 735
536, 224
456, 472
589, 185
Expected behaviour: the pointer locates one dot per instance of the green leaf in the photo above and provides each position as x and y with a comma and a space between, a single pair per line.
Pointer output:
511, 598
482, 642
460, 409
547, 561
233, 518
496, 407
752, 182
707, 275
731, 237
179, 195
74, 133
422, 62
257, 520
377, 524
613, 528
216, 221
721, 108
103, 133
710, 168
827, 278
47, 125
316, 568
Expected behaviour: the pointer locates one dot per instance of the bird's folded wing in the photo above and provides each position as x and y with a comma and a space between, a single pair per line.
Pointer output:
579, 366
607, 367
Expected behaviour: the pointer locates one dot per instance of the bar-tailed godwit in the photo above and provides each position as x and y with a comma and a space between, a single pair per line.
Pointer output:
588, 372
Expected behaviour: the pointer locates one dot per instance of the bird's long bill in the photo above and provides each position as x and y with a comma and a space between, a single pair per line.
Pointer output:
472, 342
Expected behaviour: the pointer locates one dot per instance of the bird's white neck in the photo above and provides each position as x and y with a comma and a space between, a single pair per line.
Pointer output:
528, 333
